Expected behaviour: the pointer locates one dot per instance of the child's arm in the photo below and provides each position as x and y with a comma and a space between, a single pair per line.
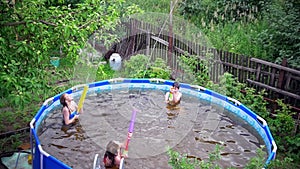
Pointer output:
66, 115
167, 97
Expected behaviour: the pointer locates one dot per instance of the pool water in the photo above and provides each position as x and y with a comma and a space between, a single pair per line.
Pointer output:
193, 128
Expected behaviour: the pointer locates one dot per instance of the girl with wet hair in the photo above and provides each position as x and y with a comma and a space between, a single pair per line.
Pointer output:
113, 153
69, 109
112, 156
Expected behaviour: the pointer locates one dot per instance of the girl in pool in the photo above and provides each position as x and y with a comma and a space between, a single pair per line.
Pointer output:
173, 97
69, 109
113, 154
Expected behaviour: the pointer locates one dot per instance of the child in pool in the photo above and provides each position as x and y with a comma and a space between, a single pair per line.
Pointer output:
69, 110
113, 154
173, 97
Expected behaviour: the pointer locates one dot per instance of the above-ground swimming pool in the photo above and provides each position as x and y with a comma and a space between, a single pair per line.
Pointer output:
203, 119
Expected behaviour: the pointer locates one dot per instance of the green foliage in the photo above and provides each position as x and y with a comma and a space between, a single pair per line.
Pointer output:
283, 128
104, 72
135, 65
72, 3
12, 142
139, 67
285, 123
178, 161
258, 161
221, 12
229, 86
196, 69
282, 38
33, 31
158, 69
282, 164
266, 30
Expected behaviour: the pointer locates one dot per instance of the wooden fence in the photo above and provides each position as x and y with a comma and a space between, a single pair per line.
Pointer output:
279, 81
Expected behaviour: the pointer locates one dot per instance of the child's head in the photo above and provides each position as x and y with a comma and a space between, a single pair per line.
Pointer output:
63, 99
112, 154
176, 85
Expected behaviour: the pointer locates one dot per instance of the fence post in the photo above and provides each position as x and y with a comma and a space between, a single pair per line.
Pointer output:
280, 83
148, 43
281, 74
132, 36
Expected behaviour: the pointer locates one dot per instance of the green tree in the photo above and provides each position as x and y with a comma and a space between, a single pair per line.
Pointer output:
31, 32
282, 38
34, 30
264, 29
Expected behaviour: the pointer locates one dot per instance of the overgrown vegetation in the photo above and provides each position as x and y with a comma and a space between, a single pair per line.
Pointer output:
178, 161
264, 29
32, 32
139, 66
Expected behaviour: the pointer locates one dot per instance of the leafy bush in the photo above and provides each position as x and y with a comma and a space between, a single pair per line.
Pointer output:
282, 38
196, 70
283, 128
264, 29
139, 66
34, 31
104, 72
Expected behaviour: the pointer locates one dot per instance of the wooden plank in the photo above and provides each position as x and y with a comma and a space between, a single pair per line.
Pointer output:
240, 72
237, 63
245, 64
235, 59
287, 83
230, 61
160, 40
215, 65
233, 69
225, 61
258, 72
176, 43
272, 82
239, 67
276, 66
274, 89
148, 43
221, 63
281, 75
250, 73
222, 59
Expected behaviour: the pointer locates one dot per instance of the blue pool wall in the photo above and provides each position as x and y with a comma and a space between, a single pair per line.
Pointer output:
43, 160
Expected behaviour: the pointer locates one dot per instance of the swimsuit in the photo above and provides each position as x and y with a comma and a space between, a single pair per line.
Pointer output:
73, 114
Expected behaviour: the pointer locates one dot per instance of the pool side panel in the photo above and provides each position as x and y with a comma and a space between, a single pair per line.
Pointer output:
43, 160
